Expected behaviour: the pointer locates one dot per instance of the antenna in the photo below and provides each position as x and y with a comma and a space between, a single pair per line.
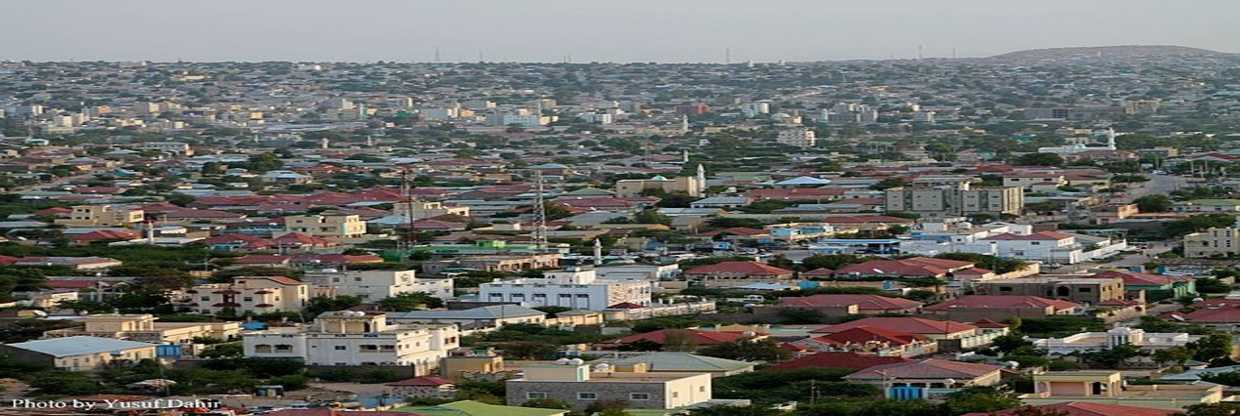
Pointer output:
954, 56
540, 214
406, 191
727, 56
920, 48
436, 54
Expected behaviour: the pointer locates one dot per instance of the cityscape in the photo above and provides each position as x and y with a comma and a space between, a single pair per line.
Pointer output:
1040, 232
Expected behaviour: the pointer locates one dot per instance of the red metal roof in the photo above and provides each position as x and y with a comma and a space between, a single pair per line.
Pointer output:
848, 360
748, 268
920, 326
863, 302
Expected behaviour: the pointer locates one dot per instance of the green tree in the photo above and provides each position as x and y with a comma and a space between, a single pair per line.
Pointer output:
1154, 203
980, 399
1039, 159
1212, 347
744, 350
406, 302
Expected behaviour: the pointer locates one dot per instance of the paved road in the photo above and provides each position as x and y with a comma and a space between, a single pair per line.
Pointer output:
1158, 184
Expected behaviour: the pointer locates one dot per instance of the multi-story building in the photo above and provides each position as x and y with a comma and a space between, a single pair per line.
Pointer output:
427, 209
373, 285
1086, 291
955, 200
102, 216
799, 137
356, 338
574, 288
144, 328
1213, 242
177, 148
628, 188
574, 383
1208, 205
332, 226
255, 294
1094, 341
1044, 246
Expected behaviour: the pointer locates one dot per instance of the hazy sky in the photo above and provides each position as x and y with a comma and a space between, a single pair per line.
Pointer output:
590, 30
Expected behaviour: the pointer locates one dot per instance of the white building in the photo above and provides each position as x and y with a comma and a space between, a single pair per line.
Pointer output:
575, 288
1094, 341
256, 294
797, 137
356, 338
1046, 246
373, 285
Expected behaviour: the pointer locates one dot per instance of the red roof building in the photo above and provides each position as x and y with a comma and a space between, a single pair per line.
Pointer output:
834, 359
865, 304
692, 336
1002, 307
738, 270
918, 326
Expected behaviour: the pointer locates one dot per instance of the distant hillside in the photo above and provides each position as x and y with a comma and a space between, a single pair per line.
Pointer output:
1108, 52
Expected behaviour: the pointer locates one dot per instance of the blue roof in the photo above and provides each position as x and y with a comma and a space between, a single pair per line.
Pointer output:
79, 345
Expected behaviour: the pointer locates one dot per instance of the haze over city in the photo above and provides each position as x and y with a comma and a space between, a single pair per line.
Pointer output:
624, 31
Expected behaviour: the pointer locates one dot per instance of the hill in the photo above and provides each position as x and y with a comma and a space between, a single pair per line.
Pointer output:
1108, 52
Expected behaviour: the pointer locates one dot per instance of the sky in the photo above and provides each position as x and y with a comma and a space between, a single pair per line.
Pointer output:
585, 30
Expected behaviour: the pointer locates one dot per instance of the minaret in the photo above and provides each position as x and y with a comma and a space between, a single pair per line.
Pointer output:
701, 180
598, 253
370, 141
684, 124
1111, 138
325, 143
684, 156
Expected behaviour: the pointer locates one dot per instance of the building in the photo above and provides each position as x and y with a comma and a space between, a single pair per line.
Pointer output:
1153, 287
145, 328
574, 383
427, 209
484, 317
1084, 409
1043, 246
253, 294
1107, 386
1094, 341
173, 148
737, 273
690, 185
870, 340
950, 335
80, 353
955, 200
1213, 242
799, 137
102, 216
1000, 307
425, 387
1206, 206
373, 285
677, 362
473, 365
844, 304
926, 378
574, 288
352, 338
331, 226
1082, 290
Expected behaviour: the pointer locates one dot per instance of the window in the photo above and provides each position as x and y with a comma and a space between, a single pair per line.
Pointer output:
535, 395
341, 348
283, 347
639, 396
1085, 289
262, 348
587, 396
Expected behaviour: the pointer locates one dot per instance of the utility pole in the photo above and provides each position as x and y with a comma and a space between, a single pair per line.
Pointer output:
540, 215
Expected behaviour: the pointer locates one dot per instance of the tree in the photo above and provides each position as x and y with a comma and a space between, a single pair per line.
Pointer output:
529, 350
980, 399
1215, 409
406, 302
745, 350
652, 216
1211, 285
1154, 203
320, 304
1176, 355
1039, 159
1112, 357
1212, 347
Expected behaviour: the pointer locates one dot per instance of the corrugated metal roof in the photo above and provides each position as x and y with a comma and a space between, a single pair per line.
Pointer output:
70, 346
